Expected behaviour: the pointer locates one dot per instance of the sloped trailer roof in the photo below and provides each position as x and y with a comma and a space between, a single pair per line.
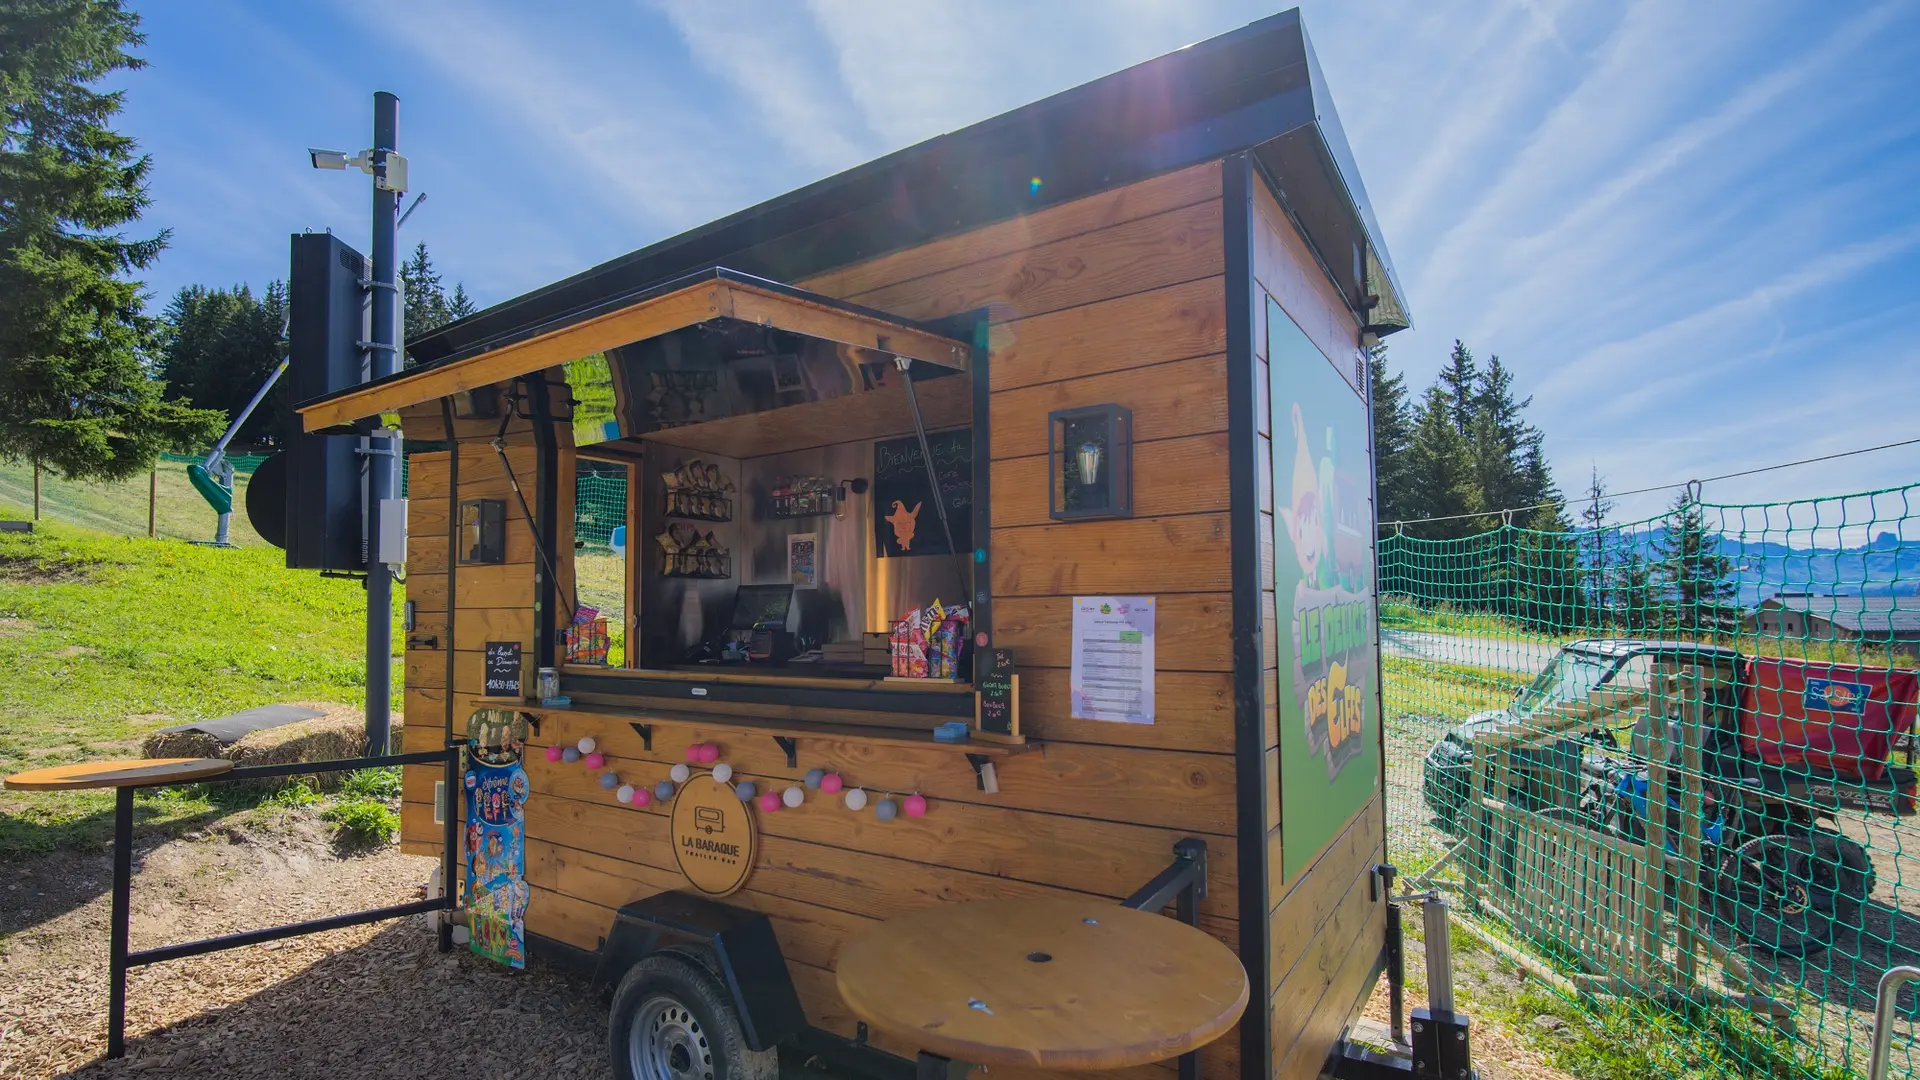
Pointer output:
1258, 88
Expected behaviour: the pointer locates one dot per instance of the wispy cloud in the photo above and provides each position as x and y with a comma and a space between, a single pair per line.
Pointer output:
771, 57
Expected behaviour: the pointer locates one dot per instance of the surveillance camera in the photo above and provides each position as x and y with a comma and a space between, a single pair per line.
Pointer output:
328, 159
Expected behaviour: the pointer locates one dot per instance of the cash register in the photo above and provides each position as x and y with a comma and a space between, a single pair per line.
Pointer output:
759, 631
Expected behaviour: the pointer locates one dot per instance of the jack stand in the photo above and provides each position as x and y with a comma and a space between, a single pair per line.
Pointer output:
1440, 1045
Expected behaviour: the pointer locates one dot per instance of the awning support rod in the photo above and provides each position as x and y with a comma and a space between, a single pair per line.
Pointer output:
933, 477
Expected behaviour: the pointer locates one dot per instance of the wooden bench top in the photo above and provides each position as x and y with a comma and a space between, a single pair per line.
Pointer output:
116, 774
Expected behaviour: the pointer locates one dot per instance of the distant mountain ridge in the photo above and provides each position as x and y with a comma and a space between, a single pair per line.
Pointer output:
1885, 566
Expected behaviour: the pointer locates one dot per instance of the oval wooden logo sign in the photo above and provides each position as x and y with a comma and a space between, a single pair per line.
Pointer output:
714, 836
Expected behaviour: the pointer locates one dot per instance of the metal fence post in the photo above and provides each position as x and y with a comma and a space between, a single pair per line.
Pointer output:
1884, 1000
153, 497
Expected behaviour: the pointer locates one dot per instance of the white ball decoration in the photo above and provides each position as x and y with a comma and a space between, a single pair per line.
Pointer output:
624, 793
586, 744
857, 799
680, 773
723, 772
794, 796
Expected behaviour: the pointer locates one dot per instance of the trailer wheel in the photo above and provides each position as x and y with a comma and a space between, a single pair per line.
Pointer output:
671, 1020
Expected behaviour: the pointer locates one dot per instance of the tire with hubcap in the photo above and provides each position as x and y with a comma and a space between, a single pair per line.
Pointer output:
672, 1020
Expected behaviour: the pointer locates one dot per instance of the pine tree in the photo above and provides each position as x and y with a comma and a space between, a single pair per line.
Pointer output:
74, 344
1392, 439
428, 305
1695, 580
426, 298
1637, 607
1441, 471
460, 305
1460, 378
220, 346
1593, 521
1508, 462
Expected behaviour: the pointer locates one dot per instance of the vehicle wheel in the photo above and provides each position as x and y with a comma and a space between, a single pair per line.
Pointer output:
1780, 893
671, 1020
1852, 872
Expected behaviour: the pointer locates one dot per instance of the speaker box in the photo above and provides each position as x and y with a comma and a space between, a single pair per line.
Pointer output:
329, 314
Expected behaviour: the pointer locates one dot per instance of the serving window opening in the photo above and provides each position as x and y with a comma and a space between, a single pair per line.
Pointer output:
797, 508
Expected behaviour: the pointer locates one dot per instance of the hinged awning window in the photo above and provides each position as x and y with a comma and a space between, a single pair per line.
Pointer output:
715, 295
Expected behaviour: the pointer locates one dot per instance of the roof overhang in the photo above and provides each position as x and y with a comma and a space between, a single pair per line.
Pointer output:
712, 294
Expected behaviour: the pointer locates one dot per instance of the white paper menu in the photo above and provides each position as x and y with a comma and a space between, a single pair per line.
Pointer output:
1113, 658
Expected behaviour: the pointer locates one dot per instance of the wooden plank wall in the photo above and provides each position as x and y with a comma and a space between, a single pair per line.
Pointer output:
1325, 930
1118, 297
494, 603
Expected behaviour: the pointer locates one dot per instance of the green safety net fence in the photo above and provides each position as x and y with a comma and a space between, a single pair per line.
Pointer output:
600, 539
1671, 763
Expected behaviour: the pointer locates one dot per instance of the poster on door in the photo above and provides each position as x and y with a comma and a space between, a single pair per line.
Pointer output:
496, 840
1324, 572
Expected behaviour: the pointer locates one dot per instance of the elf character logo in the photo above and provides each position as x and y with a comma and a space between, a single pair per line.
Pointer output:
904, 521
1834, 695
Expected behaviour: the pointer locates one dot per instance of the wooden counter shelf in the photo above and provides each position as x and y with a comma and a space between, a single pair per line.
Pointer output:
786, 733
763, 677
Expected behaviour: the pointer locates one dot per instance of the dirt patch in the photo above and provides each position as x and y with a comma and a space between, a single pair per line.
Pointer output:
370, 1002
16, 570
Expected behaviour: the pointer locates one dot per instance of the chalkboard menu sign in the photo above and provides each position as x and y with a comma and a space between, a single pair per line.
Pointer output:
502, 669
904, 519
999, 696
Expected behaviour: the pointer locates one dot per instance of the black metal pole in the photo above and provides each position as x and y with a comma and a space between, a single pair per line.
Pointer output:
384, 452
122, 918
450, 790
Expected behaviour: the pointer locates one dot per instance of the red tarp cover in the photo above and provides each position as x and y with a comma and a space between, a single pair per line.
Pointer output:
1831, 718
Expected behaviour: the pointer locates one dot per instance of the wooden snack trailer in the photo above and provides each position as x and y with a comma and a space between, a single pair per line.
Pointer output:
1092, 375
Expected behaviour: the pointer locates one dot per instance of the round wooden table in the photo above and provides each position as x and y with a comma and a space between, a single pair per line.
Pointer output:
119, 774
1057, 984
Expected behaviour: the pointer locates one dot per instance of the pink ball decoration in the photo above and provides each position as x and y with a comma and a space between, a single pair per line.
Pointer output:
693, 753
914, 805
554, 752
642, 797
831, 783
709, 753
595, 760
769, 802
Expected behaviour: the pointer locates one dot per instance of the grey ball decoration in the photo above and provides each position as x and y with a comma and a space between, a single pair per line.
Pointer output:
663, 790
609, 780
570, 755
886, 809
814, 776
745, 790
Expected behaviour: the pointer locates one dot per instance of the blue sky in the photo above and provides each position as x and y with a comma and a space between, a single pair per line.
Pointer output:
1693, 230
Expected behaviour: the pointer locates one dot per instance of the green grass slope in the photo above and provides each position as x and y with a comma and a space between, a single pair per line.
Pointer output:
105, 638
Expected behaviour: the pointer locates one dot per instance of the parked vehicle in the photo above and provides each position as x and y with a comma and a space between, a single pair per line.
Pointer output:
1777, 764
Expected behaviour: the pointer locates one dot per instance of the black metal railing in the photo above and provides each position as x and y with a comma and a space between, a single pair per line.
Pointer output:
121, 958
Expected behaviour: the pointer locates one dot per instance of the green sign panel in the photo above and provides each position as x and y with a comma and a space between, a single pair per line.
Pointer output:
1323, 552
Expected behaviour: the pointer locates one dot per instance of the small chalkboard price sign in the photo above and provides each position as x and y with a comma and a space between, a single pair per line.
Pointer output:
502, 669
997, 700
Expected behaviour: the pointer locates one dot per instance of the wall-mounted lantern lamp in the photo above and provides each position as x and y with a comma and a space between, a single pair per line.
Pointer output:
1090, 462
483, 531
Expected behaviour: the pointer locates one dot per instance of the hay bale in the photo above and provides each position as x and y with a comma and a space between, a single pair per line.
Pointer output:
195, 744
339, 732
